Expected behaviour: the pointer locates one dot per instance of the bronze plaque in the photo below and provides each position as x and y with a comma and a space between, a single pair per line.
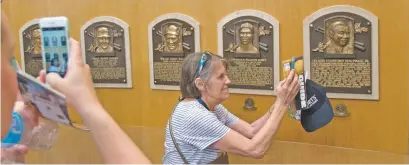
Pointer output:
30, 48
106, 51
248, 44
341, 52
171, 38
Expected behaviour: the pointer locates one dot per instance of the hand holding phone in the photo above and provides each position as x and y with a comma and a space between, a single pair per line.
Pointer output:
299, 103
77, 85
55, 44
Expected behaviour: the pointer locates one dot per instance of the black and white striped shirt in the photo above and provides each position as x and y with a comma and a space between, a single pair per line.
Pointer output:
195, 128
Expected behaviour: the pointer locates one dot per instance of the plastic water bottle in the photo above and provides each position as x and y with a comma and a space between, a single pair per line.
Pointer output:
44, 135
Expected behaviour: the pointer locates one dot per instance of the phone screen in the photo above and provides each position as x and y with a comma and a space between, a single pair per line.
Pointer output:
50, 104
55, 49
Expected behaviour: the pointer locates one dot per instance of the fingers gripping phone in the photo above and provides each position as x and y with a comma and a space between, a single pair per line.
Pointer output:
299, 103
55, 44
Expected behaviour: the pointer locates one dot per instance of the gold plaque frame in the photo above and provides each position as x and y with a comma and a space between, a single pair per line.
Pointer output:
373, 20
168, 18
27, 25
123, 48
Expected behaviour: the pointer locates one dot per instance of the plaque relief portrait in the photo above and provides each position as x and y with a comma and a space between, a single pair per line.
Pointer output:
248, 39
341, 51
339, 36
106, 49
30, 48
171, 38
246, 42
35, 37
104, 37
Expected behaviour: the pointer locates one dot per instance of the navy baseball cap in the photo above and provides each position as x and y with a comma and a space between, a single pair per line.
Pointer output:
319, 109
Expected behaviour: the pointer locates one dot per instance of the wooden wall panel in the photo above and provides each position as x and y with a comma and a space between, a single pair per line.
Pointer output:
375, 125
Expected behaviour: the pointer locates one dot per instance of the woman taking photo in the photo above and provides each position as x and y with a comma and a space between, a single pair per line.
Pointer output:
200, 129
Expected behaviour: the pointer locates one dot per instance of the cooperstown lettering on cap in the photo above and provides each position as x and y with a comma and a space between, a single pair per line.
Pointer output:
312, 101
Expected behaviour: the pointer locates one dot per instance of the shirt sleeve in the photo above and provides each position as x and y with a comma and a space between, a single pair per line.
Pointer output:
225, 116
202, 129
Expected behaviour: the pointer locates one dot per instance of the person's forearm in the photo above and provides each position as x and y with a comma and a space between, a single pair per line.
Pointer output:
114, 144
261, 121
262, 140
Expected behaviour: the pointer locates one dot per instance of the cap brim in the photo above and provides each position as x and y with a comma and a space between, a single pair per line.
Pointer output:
317, 119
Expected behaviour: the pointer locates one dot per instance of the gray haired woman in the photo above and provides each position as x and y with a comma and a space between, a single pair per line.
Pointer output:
201, 130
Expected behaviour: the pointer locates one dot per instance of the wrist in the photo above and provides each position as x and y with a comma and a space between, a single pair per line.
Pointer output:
271, 109
277, 106
84, 101
279, 103
94, 116
88, 108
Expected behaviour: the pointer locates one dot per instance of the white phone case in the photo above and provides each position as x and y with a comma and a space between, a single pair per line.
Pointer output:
54, 43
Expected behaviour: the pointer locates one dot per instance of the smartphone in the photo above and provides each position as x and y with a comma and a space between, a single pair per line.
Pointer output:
50, 103
55, 44
292, 63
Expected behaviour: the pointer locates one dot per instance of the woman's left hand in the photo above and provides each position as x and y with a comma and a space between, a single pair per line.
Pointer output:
31, 116
24, 107
29, 113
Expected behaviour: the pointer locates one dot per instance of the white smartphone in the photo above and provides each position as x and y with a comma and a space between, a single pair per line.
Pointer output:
55, 44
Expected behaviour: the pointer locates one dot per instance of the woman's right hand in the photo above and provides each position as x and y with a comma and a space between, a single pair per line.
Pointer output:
288, 89
77, 84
